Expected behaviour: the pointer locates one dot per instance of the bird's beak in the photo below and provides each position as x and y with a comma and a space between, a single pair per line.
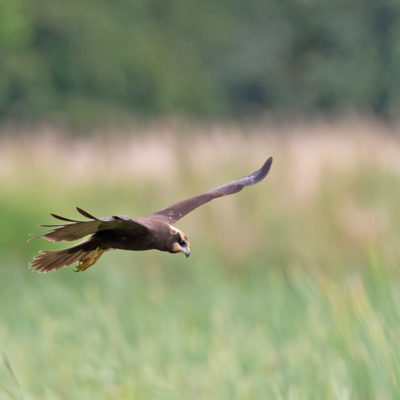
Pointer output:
187, 253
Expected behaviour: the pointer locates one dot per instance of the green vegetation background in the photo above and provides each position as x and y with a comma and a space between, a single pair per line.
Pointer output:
293, 287
292, 290
85, 61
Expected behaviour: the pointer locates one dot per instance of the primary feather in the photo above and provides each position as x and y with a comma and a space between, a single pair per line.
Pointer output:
79, 229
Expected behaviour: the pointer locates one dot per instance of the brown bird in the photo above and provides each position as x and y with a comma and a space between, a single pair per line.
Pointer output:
153, 231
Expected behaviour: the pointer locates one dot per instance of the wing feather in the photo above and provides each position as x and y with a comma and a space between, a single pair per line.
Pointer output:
179, 210
63, 218
79, 229
85, 213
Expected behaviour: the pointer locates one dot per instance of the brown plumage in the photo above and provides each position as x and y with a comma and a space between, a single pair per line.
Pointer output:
153, 231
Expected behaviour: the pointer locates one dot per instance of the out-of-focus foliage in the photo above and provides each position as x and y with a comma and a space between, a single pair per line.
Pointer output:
292, 290
83, 58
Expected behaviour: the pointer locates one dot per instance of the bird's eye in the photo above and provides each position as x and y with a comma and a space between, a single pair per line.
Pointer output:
182, 242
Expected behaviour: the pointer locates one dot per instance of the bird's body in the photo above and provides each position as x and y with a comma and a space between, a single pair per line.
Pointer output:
152, 231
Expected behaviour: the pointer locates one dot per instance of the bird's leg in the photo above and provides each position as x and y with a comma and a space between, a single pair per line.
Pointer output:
89, 260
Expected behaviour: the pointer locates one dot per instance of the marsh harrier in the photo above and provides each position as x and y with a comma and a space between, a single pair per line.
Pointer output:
153, 231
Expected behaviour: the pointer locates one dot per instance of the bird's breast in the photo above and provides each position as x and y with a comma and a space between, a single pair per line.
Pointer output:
125, 239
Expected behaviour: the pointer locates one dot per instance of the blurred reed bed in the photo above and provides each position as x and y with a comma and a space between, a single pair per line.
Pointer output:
291, 291
331, 181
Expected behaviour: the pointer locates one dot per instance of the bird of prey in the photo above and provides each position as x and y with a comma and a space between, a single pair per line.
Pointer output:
152, 231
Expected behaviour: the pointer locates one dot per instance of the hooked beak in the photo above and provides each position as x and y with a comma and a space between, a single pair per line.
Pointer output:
187, 253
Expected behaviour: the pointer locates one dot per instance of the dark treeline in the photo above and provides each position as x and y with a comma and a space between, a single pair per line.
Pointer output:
81, 58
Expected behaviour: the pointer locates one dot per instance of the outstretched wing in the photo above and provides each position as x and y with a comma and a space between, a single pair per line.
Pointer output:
74, 229
179, 210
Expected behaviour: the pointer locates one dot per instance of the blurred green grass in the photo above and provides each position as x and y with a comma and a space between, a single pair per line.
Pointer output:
288, 294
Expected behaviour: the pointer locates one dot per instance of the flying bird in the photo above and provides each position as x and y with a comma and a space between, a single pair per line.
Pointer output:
152, 231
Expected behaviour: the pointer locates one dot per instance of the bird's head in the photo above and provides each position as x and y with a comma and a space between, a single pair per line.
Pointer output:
180, 242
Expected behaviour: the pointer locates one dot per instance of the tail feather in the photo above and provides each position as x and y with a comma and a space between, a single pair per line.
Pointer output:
50, 260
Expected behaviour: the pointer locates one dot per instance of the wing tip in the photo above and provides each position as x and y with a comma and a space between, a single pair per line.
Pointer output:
85, 213
263, 171
62, 218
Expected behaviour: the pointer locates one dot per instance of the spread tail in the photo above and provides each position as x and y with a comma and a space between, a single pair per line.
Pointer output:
86, 253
